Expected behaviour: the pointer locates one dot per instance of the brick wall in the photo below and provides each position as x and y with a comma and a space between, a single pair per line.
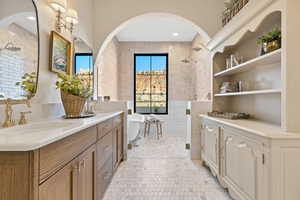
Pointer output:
13, 65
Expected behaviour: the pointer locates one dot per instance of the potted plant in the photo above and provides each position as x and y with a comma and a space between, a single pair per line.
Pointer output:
74, 94
270, 41
29, 84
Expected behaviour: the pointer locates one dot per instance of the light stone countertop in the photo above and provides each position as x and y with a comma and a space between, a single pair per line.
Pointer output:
35, 135
259, 128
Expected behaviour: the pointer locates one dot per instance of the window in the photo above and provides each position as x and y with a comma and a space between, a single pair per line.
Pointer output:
84, 68
151, 83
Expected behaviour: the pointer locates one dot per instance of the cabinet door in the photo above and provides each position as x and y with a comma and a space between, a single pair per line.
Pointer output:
120, 143
86, 174
242, 165
104, 175
115, 148
211, 146
62, 185
104, 149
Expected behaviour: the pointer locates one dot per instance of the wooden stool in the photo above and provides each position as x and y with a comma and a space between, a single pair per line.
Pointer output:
158, 124
159, 128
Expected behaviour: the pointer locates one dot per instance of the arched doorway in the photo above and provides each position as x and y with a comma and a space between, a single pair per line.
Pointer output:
201, 31
180, 121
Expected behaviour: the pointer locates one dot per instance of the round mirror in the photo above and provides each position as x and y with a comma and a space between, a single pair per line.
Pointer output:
19, 49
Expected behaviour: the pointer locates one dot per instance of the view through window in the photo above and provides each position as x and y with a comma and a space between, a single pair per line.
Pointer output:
151, 83
84, 68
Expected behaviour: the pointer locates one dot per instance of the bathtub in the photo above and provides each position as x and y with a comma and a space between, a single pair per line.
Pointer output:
135, 124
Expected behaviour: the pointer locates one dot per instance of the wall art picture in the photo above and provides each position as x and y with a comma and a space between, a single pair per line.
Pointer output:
60, 53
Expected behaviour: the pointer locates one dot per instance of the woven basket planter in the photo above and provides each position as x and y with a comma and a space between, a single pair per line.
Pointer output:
73, 105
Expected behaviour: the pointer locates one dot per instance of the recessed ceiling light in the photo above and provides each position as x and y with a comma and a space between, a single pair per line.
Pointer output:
175, 34
32, 18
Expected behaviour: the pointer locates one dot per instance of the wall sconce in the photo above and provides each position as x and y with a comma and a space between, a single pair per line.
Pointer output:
72, 18
69, 20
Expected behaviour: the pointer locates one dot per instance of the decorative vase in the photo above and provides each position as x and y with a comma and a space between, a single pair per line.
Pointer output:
73, 105
271, 46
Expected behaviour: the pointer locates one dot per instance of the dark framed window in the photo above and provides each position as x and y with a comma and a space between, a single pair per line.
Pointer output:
84, 68
151, 83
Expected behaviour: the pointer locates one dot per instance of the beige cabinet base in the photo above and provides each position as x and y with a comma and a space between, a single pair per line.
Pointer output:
252, 167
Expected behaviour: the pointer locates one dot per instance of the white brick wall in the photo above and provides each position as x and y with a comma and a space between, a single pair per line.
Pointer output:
13, 65
12, 69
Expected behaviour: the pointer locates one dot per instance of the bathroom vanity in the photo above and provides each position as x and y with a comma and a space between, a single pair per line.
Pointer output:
61, 159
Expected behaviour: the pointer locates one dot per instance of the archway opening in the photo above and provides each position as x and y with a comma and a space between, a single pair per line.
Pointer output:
168, 91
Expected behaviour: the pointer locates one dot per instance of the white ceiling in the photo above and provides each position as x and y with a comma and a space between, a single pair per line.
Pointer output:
22, 20
160, 28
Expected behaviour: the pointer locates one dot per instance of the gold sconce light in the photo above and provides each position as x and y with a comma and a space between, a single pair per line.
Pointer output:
65, 18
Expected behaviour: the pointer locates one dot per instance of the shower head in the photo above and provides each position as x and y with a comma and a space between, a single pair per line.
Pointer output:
185, 61
11, 47
197, 49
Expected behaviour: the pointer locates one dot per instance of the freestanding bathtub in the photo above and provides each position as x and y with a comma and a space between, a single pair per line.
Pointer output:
135, 124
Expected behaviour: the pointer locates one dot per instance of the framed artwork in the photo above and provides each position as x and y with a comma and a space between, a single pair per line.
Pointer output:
60, 53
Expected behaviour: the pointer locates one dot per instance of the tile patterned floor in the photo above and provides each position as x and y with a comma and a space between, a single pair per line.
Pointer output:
161, 170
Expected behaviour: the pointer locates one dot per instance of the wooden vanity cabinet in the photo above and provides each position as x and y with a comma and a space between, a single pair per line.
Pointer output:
78, 167
109, 152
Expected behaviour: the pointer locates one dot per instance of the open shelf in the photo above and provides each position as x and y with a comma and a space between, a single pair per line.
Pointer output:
269, 91
270, 58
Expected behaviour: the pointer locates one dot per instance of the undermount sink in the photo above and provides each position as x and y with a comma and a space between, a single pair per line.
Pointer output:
39, 127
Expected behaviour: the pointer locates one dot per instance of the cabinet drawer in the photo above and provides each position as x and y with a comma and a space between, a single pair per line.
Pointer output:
104, 149
56, 155
104, 176
104, 128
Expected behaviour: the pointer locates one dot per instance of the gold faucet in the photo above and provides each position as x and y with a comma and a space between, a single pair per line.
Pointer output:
23, 119
9, 121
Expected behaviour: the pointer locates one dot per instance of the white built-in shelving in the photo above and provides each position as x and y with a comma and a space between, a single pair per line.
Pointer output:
254, 92
261, 61
263, 74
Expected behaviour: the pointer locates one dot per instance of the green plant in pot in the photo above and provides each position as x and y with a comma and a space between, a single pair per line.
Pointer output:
29, 84
270, 41
74, 94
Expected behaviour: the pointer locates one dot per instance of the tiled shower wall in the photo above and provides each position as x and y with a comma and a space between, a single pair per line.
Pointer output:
202, 69
13, 65
187, 80
181, 75
12, 69
108, 68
